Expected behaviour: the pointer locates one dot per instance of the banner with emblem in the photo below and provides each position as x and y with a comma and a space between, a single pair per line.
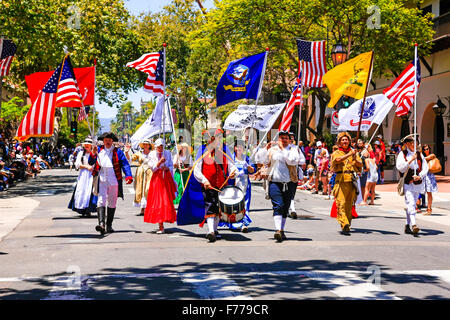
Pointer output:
241, 80
376, 108
244, 116
349, 78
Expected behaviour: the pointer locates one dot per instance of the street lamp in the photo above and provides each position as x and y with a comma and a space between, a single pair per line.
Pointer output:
338, 54
439, 108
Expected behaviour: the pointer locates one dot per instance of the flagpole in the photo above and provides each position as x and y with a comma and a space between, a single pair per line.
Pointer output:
301, 105
165, 97
257, 98
365, 94
175, 137
1, 78
374, 133
415, 103
93, 106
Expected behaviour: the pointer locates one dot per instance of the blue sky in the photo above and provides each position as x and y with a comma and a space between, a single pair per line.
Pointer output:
135, 7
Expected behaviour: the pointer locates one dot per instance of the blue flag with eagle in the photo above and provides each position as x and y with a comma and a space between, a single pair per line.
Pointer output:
241, 80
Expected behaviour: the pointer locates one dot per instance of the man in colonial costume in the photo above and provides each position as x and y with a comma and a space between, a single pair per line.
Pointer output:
281, 188
110, 162
143, 175
415, 167
346, 163
162, 188
200, 201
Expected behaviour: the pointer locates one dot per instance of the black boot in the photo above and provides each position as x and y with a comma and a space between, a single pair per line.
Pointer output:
109, 220
101, 220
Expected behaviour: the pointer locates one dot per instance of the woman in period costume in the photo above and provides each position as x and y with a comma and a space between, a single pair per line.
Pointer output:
83, 201
346, 163
163, 188
183, 164
143, 175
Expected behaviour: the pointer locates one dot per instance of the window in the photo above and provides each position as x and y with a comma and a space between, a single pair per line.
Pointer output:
444, 7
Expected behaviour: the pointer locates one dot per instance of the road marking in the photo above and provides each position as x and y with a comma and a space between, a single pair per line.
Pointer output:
214, 286
219, 285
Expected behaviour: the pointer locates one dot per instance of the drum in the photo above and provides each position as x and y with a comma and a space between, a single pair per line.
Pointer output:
231, 204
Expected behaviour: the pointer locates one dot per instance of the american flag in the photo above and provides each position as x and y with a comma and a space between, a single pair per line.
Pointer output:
295, 99
401, 92
68, 94
82, 114
312, 57
39, 120
153, 65
7, 54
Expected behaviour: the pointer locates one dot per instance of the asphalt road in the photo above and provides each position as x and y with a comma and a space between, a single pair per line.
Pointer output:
52, 253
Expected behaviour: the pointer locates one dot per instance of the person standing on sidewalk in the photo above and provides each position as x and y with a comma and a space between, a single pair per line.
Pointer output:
346, 163
430, 179
281, 187
415, 167
110, 162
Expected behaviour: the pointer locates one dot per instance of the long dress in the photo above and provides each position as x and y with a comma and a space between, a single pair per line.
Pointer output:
241, 181
142, 179
181, 177
163, 188
83, 200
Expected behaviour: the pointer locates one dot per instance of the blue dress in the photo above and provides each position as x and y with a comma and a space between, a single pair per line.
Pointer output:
430, 183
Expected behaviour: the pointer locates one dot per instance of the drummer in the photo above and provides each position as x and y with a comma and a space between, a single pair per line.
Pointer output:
242, 181
212, 171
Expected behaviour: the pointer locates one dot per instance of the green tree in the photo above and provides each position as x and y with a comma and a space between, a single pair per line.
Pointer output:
238, 28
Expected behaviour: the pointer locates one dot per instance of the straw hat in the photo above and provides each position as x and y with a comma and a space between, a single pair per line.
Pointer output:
87, 141
145, 141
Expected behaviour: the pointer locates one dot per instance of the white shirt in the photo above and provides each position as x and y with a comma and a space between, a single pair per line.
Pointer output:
198, 170
318, 151
280, 159
81, 159
402, 166
106, 173
155, 157
262, 156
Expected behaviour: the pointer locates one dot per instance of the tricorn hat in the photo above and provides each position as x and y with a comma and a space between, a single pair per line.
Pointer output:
108, 135
410, 137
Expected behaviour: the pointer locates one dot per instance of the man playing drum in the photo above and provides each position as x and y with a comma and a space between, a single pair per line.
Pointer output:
212, 171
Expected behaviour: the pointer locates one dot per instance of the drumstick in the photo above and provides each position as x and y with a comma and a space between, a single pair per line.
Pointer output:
215, 189
227, 179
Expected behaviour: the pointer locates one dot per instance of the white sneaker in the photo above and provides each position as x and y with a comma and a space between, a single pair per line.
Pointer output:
160, 231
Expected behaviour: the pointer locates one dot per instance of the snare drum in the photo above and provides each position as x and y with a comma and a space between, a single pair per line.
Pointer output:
231, 204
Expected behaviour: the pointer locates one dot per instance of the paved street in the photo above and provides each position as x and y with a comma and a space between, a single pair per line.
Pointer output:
49, 252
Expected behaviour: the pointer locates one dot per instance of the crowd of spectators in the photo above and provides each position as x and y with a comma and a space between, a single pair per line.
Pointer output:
20, 161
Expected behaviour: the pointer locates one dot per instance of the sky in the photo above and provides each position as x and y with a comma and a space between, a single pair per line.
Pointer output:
136, 7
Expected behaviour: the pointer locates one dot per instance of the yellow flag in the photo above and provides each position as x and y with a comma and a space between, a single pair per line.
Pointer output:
349, 78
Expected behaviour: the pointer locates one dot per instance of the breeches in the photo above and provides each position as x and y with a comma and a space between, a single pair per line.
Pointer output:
281, 195
107, 195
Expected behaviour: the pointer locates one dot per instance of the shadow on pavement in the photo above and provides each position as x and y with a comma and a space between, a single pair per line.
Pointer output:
191, 280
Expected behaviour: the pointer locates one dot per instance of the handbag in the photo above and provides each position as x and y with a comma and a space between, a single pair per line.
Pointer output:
401, 184
355, 182
434, 166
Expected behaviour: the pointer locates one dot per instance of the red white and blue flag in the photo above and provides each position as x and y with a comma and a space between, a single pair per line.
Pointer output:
296, 99
7, 54
313, 62
401, 92
61, 90
68, 94
153, 65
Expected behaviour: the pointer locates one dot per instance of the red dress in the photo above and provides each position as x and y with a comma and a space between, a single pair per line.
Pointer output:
161, 194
